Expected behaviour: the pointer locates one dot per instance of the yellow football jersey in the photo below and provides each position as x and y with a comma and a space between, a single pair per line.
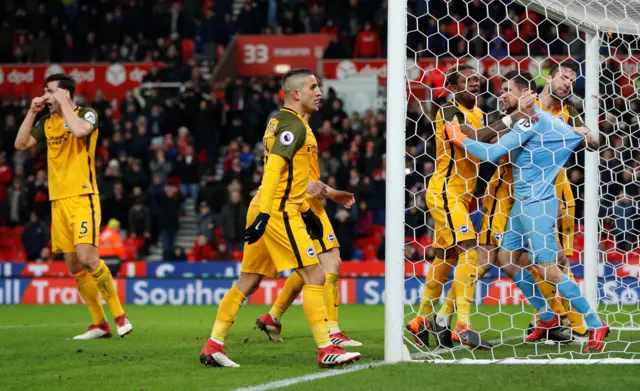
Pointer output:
290, 136
456, 172
70, 159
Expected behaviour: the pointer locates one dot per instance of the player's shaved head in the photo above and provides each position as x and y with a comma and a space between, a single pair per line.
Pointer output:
294, 80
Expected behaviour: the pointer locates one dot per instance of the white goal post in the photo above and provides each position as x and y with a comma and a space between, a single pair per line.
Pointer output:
594, 18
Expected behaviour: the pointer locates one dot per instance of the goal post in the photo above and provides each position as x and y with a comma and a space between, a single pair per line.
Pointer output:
417, 80
395, 174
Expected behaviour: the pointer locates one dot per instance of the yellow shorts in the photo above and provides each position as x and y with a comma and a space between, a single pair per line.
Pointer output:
328, 240
75, 220
452, 223
285, 244
496, 208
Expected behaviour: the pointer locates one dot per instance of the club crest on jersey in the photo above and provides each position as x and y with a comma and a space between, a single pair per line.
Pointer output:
499, 236
286, 138
331, 238
66, 126
311, 252
464, 229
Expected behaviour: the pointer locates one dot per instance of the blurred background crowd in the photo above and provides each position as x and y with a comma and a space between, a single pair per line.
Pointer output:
176, 171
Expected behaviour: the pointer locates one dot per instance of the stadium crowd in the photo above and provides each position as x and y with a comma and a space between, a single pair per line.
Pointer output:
204, 143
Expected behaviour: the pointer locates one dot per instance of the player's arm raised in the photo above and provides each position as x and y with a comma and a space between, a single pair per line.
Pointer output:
78, 126
490, 152
29, 135
503, 125
590, 140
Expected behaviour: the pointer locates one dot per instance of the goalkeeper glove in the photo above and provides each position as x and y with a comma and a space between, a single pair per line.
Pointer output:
313, 223
255, 231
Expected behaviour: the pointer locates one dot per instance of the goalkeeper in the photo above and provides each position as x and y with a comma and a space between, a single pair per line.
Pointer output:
538, 152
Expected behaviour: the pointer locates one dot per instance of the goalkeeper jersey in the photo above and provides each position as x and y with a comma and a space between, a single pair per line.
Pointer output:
538, 153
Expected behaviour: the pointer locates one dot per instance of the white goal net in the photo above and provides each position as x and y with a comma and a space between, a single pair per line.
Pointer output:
599, 216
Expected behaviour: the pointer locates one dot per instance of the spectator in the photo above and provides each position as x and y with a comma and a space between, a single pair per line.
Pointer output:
6, 175
35, 236
343, 227
160, 166
140, 223
415, 226
202, 249
188, 169
111, 248
206, 222
18, 203
116, 206
135, 176
232, 221
169, 221
222, 253
364, 224
625, 212
367, 43
178, 255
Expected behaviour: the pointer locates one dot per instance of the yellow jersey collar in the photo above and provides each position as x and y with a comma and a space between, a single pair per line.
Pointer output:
553, 112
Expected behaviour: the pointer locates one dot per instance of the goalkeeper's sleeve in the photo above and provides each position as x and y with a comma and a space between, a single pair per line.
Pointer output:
494, 152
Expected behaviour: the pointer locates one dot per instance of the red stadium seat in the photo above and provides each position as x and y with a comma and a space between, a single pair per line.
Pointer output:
130, 252
237, 255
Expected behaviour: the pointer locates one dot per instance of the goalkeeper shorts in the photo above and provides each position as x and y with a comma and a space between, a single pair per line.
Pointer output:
532, 227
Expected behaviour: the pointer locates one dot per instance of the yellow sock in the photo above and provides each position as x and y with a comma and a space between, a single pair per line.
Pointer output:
548, 290
448, 307
229, 307
104, 281
435, 280
291, 289
465, 277
576, 319
331, 299
313, 305
89, 292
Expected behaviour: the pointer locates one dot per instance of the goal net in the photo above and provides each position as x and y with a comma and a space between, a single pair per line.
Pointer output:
599, 220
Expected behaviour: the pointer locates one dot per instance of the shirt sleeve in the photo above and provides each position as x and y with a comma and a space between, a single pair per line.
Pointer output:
88, 114
290, 137
37, 132
574, 117
521, 133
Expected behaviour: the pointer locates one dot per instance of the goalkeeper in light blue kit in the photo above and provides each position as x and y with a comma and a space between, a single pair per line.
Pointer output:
538, 150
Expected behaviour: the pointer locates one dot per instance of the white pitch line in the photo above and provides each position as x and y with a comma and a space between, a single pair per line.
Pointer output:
314, 376
334, 372
28, 326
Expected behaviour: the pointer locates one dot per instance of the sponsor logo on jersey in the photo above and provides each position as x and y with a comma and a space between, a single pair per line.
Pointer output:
286, 138
311, 252
331, 238
464, 229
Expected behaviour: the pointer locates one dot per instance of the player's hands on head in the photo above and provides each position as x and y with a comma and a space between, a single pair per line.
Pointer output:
255, 231
37, 104
313, 223
454, 133
61, 95
317, 189
341, 197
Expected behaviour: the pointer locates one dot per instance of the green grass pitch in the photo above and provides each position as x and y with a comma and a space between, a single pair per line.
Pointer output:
37, 353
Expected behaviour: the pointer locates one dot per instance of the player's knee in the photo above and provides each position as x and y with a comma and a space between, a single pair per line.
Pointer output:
312, 275
468, 244
74, 266
248, 283
434, 285
330, 261
550, 272
88, 257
